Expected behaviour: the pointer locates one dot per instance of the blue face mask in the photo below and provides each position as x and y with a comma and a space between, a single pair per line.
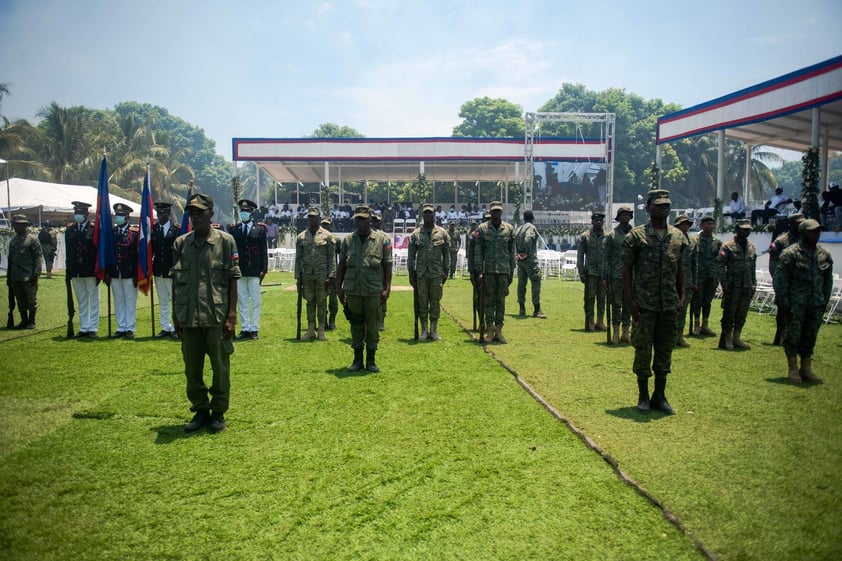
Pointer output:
79, 218
119, 220
245, 216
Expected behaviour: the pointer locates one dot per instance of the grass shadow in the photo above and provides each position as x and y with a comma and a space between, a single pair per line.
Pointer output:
784, 381
343, 372
632, 414
170, 433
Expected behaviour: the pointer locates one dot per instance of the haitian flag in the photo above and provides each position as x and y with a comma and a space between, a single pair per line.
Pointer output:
106, 252
185, 220
144, 241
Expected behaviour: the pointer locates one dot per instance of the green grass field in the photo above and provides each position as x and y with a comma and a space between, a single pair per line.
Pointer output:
443, 455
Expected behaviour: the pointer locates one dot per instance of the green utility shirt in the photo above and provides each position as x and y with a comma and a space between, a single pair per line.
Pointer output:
315, 255
429, 252
737, 265
804, 279
494, 250
690, 262
526, 241
589, 253
776, 248
365, 261
654, 262
201, 271
706, 251
24, 258
612, 253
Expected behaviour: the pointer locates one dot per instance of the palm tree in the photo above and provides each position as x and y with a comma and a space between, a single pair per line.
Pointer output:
66, 143
762, 181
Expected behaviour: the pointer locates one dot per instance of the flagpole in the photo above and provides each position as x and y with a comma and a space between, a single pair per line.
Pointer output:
150, 273
152, 303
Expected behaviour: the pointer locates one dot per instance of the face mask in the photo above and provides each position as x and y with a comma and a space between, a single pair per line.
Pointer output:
119, 220
245, 216
79, 218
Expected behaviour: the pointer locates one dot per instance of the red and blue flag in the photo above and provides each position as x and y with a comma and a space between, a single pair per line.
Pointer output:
186, 226
106, 251
144, 241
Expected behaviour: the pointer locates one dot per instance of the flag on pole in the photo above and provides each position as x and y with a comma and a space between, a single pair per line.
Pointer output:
144, 241
185, 220
106, 252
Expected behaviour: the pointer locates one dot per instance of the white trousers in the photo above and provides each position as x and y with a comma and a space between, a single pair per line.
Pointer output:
163, 288
248, 293
87, 303
125, 304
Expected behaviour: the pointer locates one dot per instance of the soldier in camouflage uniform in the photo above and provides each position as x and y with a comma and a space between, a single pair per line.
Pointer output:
455, 243
736, 262
803, 283
494, 263
707, 248
332, 300
315, 269
364, 281
376, 225
612, 268
428, 264
690, 262
653, 283
778, 245
526, 246
589, 265
49, 244
24, 268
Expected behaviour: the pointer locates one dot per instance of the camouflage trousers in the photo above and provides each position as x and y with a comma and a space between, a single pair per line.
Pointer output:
429, 297
655, 332
735, 309
453, 259
594, 290
364, 315
496, 290
314, 293
681, 316
529, 271
26, 295
616, 299
802, 330
332, 299
703, 297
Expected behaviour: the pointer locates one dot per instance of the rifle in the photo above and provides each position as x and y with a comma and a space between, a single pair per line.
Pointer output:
586, 302
10, 323
108, 285
609, 300
415, 307
71, 310
482, 296
474, 288
298, 314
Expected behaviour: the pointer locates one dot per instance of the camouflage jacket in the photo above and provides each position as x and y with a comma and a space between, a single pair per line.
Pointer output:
803, 279
654, 263
589, 253
494, 249
612, 253
428, 255
737, 265
706, 250
315, 255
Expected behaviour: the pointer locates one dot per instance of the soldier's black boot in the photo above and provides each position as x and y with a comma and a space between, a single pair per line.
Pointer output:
358, 361
643, 394
522, 311
30, 323
369, 361
659, 399
24, 319
199, 420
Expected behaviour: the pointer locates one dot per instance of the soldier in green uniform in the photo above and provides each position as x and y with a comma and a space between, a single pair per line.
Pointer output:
205, 274
49, 243
653, 282
707, 248
364, 281
315, 269
332, 300
775, 249
526, 248
494, 262
736, 262
589, 265
24, 269
803, 283
690, 262
612, 268
376, 225
428, 263
455, 244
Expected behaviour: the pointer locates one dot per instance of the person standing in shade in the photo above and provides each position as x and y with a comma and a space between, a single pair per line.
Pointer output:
332, 300
455, 244
803, 283
80, 263
205, 274
526, 247
377, 226
315, 270
253, 248
690, 262
494, 263
589, 265
653, 282
428, 263
707, 248
612, 268
777, 246
24, 269
364, 281
164, 233
49, 244
122, 276
736, 262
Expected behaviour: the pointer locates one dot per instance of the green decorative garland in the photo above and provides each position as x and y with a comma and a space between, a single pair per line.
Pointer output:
654, 176
810, 183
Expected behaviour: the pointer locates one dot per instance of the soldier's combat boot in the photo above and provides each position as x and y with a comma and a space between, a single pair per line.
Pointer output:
434, 330
331, 322
739, 343
369, 361
423, 335
199, 420
539, 314
625, 337
489, 333
311, 331
793, 375
24, 319
589, 325
728, 343
706, 330
358, 361
680, 342
522, 311
643, 394
615, 335
600, 326
806, 371
321, 334
697, 329
498, 334
659, 399
30, 322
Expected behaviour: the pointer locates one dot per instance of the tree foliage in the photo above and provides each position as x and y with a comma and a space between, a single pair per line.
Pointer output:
485, 116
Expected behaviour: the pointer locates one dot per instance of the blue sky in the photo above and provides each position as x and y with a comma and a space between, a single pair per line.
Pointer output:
390, 68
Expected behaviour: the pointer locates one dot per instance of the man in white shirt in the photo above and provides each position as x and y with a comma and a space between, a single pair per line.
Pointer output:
773, 207
736, 207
